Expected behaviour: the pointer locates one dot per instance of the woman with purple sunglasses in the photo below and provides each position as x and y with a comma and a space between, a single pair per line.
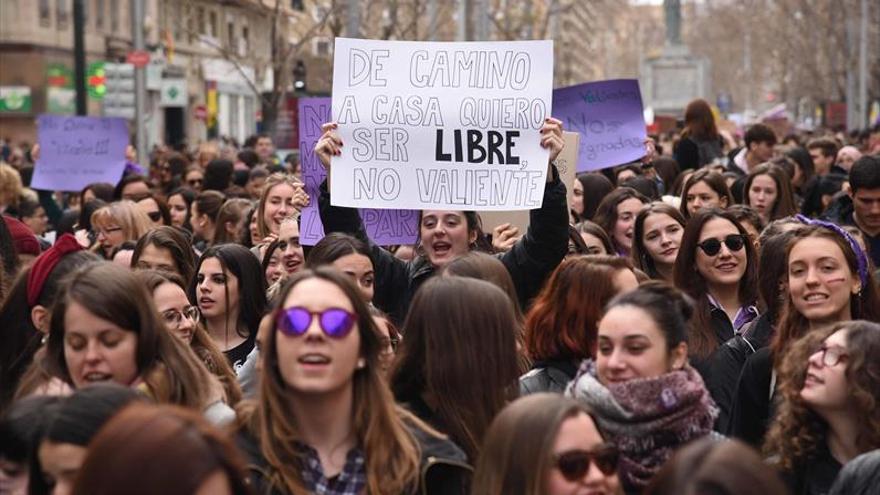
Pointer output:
325, 421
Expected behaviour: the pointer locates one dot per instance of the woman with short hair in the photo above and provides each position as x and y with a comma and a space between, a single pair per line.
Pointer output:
116, 223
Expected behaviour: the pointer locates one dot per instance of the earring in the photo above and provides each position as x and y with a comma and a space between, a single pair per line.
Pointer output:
361, 363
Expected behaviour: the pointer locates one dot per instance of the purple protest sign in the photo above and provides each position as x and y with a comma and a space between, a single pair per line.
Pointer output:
384, 227
78, 151
609, 117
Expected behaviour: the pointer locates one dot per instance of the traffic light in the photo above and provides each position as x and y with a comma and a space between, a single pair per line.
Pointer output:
96, 80
299, 76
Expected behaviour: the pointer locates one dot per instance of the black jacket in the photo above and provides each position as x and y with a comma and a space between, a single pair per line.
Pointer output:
530, 261
726, 363
815, 476
692, 153
443, 469
723, 330
752, 406
548, 376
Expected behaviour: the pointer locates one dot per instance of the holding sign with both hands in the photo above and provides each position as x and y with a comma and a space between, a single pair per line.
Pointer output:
446, 125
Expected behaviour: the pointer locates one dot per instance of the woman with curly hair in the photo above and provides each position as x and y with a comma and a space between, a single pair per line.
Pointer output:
830, 385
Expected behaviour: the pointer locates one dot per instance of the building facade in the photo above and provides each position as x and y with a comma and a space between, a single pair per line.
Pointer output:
209, 61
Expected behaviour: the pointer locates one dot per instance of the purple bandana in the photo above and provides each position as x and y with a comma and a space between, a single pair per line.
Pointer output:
861, 258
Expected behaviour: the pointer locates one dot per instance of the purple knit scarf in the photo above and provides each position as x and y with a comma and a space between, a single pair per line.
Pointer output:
647, 418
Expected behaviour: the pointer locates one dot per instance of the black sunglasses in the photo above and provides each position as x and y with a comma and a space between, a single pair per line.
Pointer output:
711, 247
155, 215
574, 464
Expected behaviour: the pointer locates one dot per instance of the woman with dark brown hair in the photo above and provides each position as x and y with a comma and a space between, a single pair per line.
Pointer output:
182, 319
155, 208
587, 191
700, 142
718, 268
147, 449
325, 419
828, 280
230, 290
704, 189
560, 329
596, 240
829, 383
203, 217
25, 316
166, 249
647, 400
719, 468
105, 327
656, 240
349, 255
727, 362
566, 452
486, 267
482, 266
70, 425
230, 220
616, 215
768, 190
457, 369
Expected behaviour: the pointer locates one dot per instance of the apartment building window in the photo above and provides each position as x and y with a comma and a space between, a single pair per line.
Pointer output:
200, 20
114, 15
321, 47
45, 12
212, 24
245, 44
99, 14
62, 13
230, 36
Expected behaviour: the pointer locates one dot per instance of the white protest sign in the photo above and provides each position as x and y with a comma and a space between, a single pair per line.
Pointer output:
566, 164
441, 125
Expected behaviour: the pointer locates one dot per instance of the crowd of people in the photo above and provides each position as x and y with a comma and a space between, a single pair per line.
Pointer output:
703, 320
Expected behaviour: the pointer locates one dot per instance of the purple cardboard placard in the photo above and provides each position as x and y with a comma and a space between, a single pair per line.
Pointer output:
384, 227
78, 151
609, 117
